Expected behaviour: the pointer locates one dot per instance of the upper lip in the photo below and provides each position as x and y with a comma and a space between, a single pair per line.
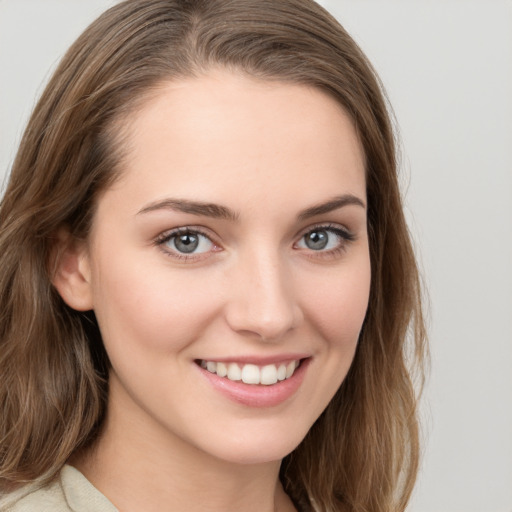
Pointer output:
258, 360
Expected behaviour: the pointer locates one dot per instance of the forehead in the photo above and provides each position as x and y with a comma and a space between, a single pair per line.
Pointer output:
227, 134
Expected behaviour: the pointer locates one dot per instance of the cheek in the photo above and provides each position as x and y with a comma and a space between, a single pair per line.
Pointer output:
149, 307
339, 302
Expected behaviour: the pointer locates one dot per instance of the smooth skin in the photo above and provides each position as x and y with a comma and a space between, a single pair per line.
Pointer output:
267, 275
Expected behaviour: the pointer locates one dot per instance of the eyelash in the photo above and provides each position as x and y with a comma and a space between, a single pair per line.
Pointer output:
166, 237
344, 235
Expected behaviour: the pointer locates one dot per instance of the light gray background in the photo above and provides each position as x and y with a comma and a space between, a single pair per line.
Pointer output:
447, 67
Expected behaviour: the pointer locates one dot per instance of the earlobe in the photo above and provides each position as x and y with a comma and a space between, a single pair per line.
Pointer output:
71, 275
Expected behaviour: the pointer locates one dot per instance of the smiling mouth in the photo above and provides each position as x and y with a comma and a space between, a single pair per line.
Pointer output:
266, 375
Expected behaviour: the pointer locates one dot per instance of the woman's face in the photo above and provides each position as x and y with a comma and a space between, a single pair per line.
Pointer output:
234, 246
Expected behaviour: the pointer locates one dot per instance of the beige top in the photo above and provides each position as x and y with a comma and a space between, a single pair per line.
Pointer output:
69, 492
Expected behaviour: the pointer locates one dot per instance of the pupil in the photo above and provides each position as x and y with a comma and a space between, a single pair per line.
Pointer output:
186, 243
317, 240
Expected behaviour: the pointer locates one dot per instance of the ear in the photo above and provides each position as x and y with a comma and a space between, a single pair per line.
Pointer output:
71, 274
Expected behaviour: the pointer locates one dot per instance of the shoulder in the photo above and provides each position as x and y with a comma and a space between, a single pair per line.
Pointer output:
69, 492
32, 499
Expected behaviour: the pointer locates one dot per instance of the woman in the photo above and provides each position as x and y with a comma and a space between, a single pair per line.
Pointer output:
207, 277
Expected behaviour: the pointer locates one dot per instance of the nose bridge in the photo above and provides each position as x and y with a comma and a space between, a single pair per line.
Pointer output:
263, 302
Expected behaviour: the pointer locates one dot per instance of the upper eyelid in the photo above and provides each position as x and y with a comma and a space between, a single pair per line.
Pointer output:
169, 233
346, 237
328, 226
164, 237
161, 242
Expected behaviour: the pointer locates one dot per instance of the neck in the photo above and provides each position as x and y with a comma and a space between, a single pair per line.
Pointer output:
137, 469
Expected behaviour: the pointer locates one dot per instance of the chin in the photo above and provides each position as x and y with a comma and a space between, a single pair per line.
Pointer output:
257, 448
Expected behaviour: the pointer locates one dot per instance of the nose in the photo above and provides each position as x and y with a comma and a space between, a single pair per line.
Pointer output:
262, 301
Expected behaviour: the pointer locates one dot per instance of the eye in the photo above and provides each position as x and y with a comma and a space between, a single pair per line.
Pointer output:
185, 241
325, 239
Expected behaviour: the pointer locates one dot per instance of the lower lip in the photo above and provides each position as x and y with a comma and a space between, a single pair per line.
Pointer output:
258, 395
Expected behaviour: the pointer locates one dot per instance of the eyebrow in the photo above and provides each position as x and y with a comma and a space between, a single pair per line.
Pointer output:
332, 204
194, 207
222, 212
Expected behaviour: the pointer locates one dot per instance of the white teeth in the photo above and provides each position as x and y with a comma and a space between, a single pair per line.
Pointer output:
222, 370
234, 372
268, 374
290, 369
251, 373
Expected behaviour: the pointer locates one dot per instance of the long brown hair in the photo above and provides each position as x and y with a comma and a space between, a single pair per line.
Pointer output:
362, 453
